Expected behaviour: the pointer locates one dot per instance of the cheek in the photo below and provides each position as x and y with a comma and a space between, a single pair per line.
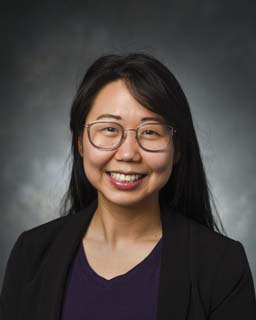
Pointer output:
161, 162
94, 160
161, 166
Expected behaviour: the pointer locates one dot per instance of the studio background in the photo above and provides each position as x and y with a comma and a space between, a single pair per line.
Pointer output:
210, 47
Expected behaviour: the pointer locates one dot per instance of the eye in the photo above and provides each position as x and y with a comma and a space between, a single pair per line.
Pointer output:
106, 129
151, 131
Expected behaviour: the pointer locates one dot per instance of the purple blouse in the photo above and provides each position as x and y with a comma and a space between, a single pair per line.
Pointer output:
132, 295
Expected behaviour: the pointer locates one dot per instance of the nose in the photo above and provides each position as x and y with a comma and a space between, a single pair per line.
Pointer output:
129, 148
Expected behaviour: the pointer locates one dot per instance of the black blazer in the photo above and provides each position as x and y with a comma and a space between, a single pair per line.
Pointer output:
204, 275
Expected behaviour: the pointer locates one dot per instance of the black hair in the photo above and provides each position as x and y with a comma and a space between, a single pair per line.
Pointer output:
154, 86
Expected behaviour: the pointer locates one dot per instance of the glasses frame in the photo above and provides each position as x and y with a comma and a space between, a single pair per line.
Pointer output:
124, 134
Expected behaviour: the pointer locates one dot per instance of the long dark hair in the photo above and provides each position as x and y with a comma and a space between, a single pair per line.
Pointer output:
155, 87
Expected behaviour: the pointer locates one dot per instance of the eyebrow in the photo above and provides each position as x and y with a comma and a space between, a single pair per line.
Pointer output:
107, 115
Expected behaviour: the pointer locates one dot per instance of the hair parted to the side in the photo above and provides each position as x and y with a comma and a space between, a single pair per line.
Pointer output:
155, 87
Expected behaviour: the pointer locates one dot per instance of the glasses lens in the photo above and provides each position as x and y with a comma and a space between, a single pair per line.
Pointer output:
152, 137
105, 134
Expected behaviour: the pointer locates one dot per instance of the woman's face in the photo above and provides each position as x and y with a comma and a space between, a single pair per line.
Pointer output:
115, 99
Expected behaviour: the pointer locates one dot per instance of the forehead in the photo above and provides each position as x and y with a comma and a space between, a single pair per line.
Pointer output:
115, 99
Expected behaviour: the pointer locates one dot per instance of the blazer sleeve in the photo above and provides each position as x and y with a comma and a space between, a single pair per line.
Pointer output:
233, 293
12, 283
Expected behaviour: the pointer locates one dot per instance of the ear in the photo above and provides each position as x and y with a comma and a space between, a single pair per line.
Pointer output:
80, 145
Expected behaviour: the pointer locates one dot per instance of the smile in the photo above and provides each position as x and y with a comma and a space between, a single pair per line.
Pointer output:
125, 178
120, 183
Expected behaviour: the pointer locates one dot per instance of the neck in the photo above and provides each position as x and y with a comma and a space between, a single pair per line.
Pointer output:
117, 225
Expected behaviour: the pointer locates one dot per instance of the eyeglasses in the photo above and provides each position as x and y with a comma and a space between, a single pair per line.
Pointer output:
108, 135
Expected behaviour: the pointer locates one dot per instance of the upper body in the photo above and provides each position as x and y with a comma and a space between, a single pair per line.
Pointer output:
203, 275
135, 150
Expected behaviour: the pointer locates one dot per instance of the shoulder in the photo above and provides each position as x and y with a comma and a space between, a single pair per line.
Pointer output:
207, 244
220, 267
31, 246
209, 240
210, 246
42, 236
46, 230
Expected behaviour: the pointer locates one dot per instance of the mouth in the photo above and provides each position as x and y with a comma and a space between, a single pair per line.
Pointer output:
129, 174
120, 182
122, 178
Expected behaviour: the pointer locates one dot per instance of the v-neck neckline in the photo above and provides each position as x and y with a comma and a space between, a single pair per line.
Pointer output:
103, 282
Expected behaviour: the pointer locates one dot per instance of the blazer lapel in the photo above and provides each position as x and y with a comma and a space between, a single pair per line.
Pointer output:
174, 286
60, 257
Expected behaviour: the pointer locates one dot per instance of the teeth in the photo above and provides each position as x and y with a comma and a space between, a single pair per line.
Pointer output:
125, 178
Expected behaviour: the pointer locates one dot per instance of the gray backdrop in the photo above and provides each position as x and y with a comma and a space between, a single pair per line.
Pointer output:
45, 49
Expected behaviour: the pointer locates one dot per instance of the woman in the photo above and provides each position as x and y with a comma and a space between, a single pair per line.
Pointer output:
139, 240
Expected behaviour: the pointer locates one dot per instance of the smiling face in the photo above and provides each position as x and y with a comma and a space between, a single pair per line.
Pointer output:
116, 99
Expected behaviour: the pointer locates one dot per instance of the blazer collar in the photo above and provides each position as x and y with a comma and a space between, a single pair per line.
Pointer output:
174, 287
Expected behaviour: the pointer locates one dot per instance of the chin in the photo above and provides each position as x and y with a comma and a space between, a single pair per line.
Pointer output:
125, 200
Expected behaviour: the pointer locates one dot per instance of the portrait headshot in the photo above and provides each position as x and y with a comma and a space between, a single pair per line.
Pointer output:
128, 162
